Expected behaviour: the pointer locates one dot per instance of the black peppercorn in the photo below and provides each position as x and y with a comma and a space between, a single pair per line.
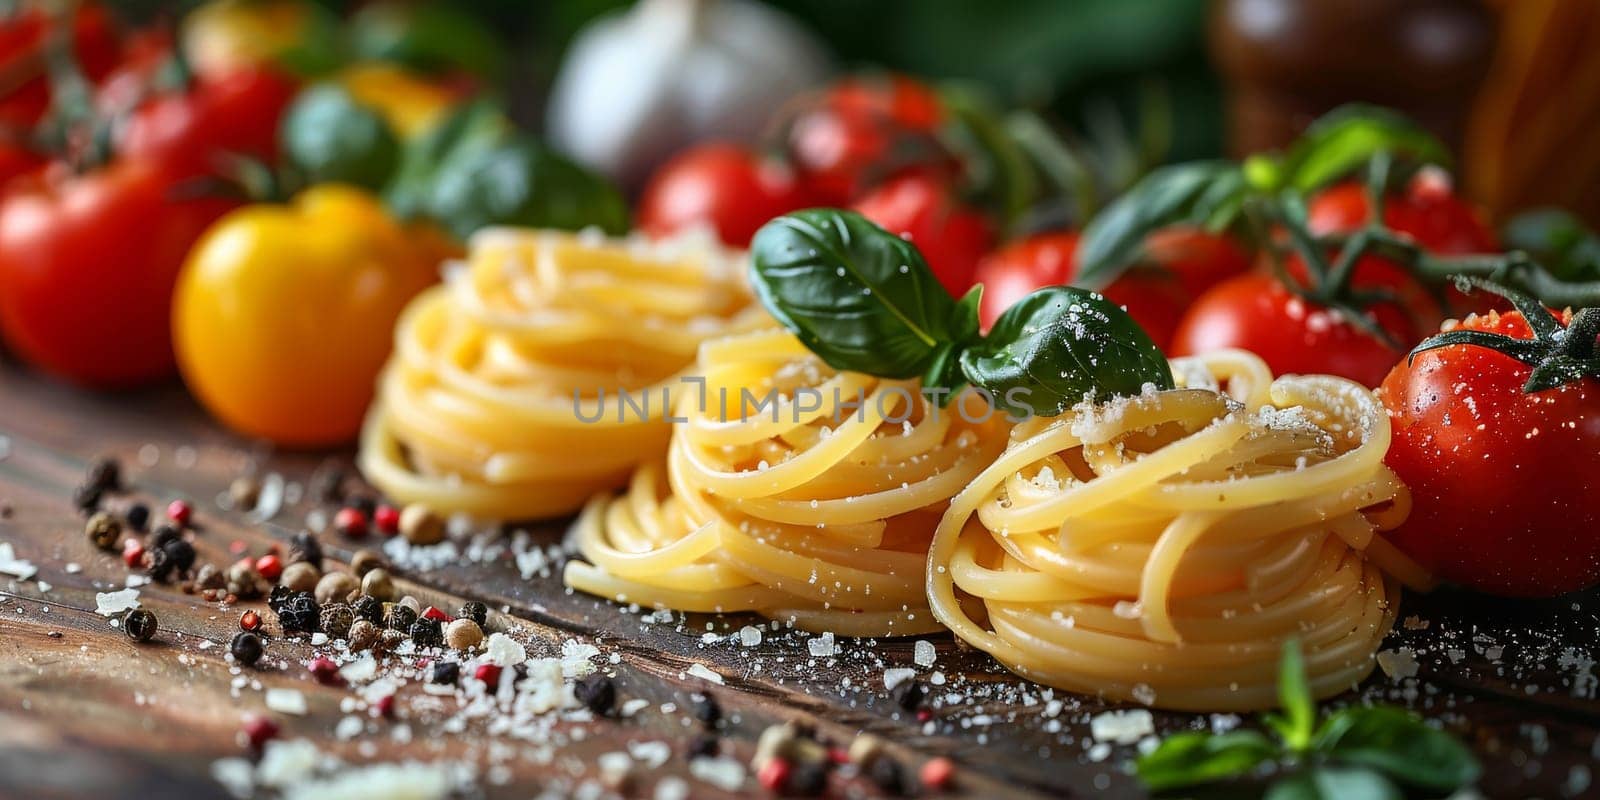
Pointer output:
140, 625
158, 564
305, 547
368, 608
705, 708
887, 775
808, 779
445, 672
336, 619
596, 692
86, 499
104, 474
162, 535
704, 746
475, 611
909, 695
138, 516
427, 632
246, 648
280, 595
181, 553
300, 614
401, 618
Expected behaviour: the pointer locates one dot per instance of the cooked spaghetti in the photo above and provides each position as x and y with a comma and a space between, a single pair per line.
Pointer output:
792, 490
504, 395
1161, 548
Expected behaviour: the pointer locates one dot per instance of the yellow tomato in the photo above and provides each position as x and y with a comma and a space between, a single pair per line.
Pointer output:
284, 314
225, 35
407, 101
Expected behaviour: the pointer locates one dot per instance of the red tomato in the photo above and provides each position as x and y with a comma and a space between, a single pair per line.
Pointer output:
237, 113
1428, 211
16, 161
1419, 305
925, 211
1258, 313
1505, 486
88, 264
723, 185
1200, 260
24, 35
861, 131
1153, 298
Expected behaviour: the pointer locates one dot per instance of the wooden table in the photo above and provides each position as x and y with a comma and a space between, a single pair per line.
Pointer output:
85, 712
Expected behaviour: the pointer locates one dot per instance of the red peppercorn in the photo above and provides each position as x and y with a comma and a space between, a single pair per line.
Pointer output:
132, 553
838, 755
258, 730
436, 614
270, 566
324, 670
924, 715
179, 511
387, 518
775, 774
936, 773
384, 707
488, 673
351, 522
250, 621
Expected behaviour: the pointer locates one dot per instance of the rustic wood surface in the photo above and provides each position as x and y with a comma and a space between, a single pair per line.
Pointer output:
84, 712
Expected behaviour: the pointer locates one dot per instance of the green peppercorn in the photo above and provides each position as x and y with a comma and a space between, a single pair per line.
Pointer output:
140, 625
103, 530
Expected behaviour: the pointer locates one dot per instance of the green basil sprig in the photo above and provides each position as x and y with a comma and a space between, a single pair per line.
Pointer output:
1358, 753
330, 137
864, 300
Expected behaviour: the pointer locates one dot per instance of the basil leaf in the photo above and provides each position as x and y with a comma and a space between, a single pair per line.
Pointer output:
1346, 138
1334, 783
858, 296
1205, 193
1060, 344
1398, 744
1299, 718
461, 136
332, 138
1189, 758
522, 182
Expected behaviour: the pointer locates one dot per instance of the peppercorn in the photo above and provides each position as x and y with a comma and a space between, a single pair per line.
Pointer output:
364, 504
437, 614
378, 584
103, 530
209, 577
336, 619
270, 566
363, 635
258, 730
704, 745
936, 773
280, 594
427, 633
138, 516
909, 695
86, 499
249, 621
420, 526
488, 674
162, 535
705, 708
596, 692
140, 625
324, 671
401, 618
774, 775
246, 647
445, 672
865, 749
304, 547
384, 707
244, 581
300, 577
387, 519
336, 587
104, 474
463, 634
179, 511
364, 561
158, 565
389, 640
350, 522
475, 611
300, 614
244, 492
808, 779
887, 775
368, 608
181, 553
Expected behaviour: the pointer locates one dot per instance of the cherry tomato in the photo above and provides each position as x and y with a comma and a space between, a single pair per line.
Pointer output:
1505, 486
722, 185
16, 160
1258, 313
187, 132
1200, 260
1419, 305
863, 130
1428, 211
24, 38
1154, 299
88, 263
925, 211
